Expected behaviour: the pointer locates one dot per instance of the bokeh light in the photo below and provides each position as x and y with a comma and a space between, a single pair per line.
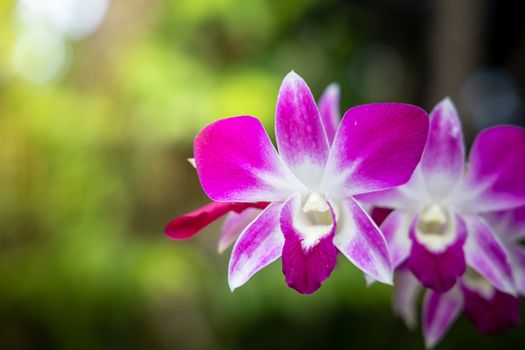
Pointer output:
491, 97
43, 29
39, 56
75, 19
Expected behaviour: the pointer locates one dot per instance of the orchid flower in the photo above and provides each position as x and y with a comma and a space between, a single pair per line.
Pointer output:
489, 309
437, 228
310, 184
239, 215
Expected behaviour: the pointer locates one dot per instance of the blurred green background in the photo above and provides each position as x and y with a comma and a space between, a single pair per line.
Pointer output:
99, 103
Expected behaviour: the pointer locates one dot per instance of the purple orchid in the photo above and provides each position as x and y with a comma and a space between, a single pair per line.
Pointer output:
436, 228
489, 309
310, 184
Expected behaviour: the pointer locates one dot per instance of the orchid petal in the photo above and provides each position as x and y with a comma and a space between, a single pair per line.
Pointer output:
495, 314
377, 146
361, 241
407, 289
517, 260
444, 155
508, 224
233, 226
306, 264
236, 161
259, 244
408, 196
186, 226
395, 228
300, 134
494, 177
440, 310
486, 255
329, 108
438, 270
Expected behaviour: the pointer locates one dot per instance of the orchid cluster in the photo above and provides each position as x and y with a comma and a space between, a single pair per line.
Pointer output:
453, 226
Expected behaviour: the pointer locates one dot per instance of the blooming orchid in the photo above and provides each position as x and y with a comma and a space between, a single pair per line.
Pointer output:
310, 184
239, 215
489, 309
437, 228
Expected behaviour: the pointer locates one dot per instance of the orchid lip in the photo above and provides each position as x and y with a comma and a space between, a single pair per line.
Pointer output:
435, 228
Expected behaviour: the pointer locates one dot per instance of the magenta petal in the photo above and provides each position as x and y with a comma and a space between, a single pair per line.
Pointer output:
396, 197
495, 314
438, 271
300, 134
377, 146
234, 224
409, 195
396, 228
407, 289
486, 255
305, 268
259, 244
444, 155
508, 224
361, 241
496, 170
440, 310
517, 260
329, 108
236, 161
186, 226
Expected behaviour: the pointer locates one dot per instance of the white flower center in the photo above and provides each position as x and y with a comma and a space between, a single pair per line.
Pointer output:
474, 281
317, 209
436, 229
314, 220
